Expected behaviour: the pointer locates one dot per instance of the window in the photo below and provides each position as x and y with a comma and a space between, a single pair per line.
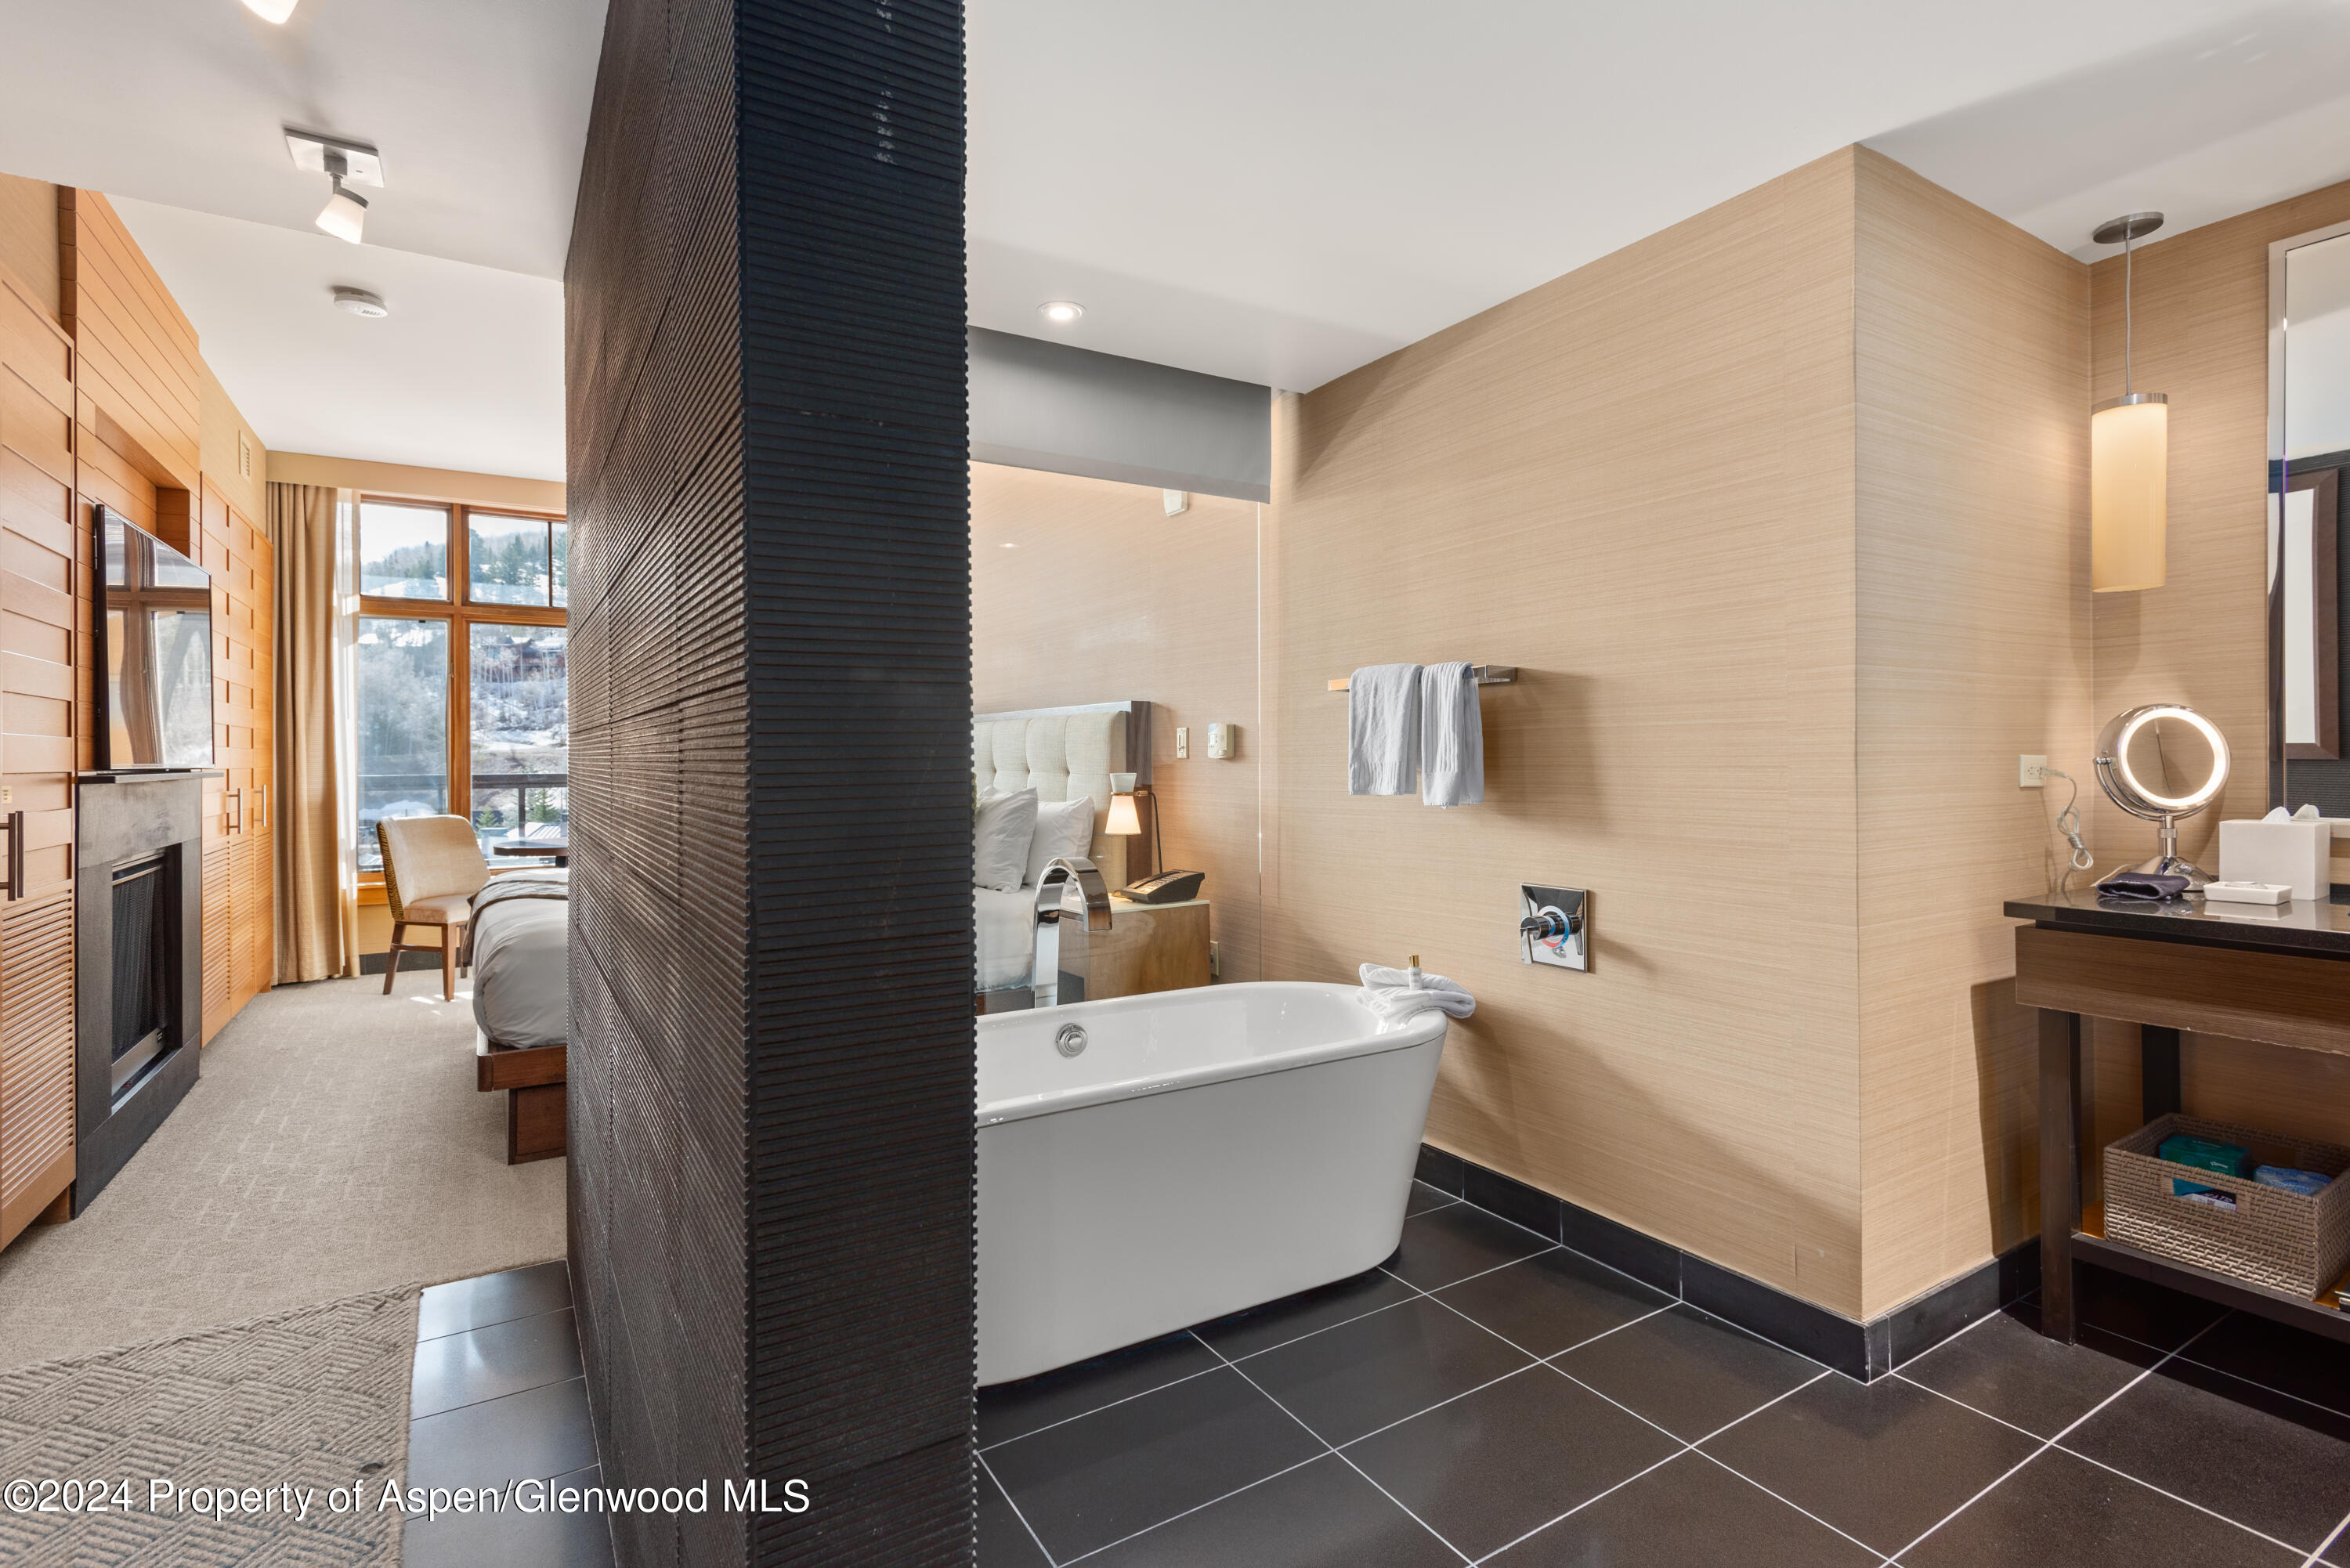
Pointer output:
403, 551
522, 733
461, 696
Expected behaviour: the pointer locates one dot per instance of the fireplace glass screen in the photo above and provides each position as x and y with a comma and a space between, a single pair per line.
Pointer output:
142, 1000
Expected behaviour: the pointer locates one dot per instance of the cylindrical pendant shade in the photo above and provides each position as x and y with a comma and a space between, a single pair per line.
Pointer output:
2129, 461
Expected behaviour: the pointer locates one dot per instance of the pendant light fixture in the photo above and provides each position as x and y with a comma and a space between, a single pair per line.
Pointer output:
2130, 454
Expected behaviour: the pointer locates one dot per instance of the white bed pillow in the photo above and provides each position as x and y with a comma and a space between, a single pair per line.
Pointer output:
1063, 828
999, 830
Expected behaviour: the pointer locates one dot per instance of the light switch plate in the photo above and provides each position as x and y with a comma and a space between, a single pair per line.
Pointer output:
1182, 741
1571, 951
1220, 740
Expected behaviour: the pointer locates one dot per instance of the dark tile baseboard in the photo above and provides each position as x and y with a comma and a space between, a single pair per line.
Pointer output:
1858, 1350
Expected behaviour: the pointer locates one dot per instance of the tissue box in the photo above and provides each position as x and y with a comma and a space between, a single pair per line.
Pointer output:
2294, 853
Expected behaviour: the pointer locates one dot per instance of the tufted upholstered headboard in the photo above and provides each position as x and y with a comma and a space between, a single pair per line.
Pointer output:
1063, 752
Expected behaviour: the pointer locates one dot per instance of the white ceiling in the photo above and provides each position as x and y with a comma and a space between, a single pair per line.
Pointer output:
465, 373
1277, 193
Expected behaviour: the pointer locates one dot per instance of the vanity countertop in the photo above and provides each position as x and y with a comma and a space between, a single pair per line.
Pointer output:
2314, 927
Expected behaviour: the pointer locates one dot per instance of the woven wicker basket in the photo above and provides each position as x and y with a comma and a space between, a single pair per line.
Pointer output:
2275, 1238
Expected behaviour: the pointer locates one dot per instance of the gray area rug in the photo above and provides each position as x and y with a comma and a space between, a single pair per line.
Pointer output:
334, 1144
313, 1398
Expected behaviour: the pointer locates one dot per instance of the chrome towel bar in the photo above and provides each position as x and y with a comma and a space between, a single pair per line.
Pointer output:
1486, 674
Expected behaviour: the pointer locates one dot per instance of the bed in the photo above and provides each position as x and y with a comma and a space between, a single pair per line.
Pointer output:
1061, 754
518, 942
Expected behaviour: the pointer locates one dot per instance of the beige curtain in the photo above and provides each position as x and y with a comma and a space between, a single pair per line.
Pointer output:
314, 940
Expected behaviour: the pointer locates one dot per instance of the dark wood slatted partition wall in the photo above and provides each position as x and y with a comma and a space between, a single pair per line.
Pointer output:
770, 696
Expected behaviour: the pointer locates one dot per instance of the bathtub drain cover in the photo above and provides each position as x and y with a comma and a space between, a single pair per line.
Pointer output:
1070, 1040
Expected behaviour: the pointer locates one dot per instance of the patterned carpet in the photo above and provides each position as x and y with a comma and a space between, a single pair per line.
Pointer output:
334, 1145
315, 1399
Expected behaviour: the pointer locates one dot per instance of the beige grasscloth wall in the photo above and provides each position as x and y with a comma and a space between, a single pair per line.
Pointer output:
1103, 598
2201, 337
1779, 514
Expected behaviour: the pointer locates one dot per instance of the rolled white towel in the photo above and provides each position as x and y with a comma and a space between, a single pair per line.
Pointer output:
1390, 993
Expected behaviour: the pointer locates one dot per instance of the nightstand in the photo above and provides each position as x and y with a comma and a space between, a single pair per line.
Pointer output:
1149, 947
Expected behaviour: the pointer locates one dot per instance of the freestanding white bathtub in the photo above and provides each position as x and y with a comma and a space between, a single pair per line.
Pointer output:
1203, 1151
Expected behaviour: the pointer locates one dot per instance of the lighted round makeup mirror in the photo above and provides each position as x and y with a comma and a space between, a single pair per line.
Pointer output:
2164, 761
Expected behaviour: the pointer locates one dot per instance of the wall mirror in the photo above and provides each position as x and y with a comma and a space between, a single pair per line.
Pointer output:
1113, 617
2309, 445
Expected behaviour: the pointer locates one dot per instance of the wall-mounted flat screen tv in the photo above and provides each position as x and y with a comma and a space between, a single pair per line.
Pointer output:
155, 645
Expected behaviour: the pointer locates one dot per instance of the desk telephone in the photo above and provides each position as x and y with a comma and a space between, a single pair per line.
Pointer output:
1167, 887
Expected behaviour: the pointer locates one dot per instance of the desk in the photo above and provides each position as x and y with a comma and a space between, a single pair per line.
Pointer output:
2282, 976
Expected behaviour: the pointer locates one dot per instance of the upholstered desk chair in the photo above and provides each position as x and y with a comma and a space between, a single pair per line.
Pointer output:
432, 867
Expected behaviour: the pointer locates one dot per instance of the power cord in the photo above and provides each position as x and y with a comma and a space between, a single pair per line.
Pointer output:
2068, 823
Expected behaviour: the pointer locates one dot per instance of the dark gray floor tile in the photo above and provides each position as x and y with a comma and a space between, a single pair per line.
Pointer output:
1687, 1512
1090, 1482
2289, 1360
1448, 1244
1689, 1373
1547, 1302
486, 1299
2276, 1464
2134, 1309
1425, 1198
1492, 1465
2006, 1367
1320, 1515
1882, 1461
1004, 1540
1009, 1410
488, 1363
2059, 1511
549, 1540
539, 1432
1292, 1317
1363, 1375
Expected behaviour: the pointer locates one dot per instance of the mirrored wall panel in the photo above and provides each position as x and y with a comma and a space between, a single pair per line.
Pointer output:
2309, 446
1114, 676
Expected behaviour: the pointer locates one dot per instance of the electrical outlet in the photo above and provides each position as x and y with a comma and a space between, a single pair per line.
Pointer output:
1215, 961
2031, 773
1182, 741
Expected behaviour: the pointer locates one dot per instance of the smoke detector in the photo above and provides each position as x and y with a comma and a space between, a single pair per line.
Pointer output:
360, 302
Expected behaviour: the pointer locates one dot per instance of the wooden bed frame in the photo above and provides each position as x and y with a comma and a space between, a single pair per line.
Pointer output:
537, 1111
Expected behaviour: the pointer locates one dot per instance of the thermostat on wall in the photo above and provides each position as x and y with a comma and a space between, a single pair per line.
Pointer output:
1219, 740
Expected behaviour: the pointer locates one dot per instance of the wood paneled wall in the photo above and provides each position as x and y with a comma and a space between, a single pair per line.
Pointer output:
1105, 597
2201, 337
138, 364
1635, 485
28, 239
1975, 643
44, 639
1779, 514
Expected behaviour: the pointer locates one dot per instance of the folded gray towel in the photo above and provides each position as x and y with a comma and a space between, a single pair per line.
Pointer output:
2142, 886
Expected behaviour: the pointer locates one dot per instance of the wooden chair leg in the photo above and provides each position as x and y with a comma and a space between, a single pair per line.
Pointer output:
448, 963
391, 959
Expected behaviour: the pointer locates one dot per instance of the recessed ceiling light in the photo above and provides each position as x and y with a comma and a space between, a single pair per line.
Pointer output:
271, 10
360, 302
1060, 312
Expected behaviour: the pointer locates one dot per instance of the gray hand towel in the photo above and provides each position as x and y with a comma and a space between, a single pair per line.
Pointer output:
1383, 729
1451, 737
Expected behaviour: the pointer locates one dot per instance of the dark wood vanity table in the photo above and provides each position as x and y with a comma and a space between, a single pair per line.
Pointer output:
2277, 975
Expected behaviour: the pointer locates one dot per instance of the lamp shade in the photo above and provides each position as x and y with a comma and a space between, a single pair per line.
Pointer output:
2130, 459
344, 216
1122, 818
